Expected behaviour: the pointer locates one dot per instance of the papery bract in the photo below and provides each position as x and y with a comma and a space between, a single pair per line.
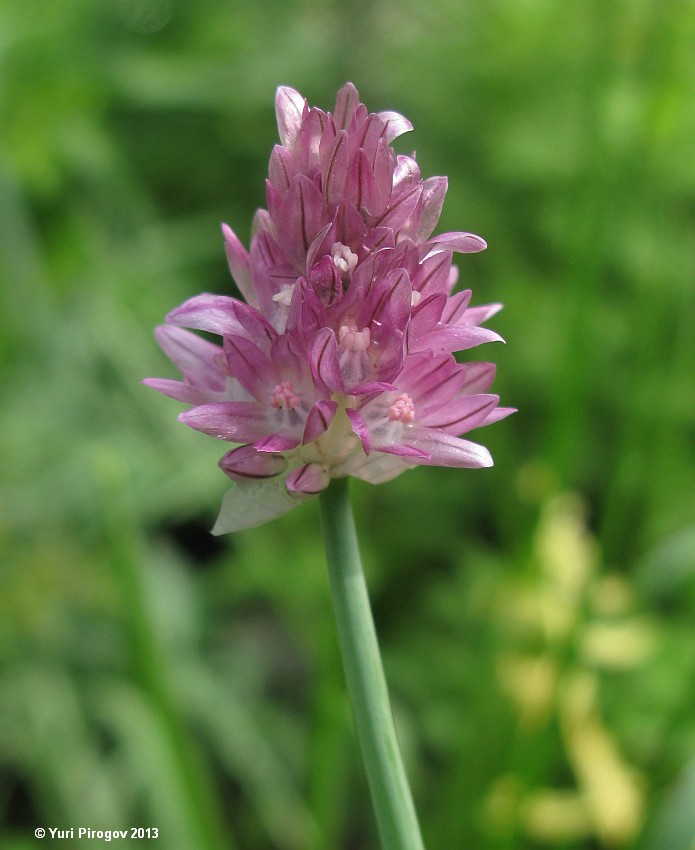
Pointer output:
341, 360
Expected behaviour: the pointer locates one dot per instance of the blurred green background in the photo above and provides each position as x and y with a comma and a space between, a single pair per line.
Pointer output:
536, 619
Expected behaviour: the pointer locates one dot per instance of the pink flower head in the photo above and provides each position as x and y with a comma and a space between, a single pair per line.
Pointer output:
341, 360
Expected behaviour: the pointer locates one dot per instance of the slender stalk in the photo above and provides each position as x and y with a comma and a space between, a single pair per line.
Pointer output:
391, 797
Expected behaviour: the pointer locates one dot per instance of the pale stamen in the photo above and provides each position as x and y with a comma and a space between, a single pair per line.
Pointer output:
344, 259
402, 410
283, 396
354, 340
415, 298
284, 297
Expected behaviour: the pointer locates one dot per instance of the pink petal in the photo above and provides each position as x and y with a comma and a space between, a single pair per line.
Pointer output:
447, 339
432, 274
426, 315
197, 359
453, 279
330, 131
431, 381
383, 179
239, 264
461, 414
386, 311
181, 391
247, 463
379, 238
237, 421
497, 414
254, 326
307, 314
405, 451
288, 358
273, 199
303, 213
455, 308
373, 387
276, 443
388, 302
249, 365
407, 255
345, 105
359, 186
396, 124
478, 315
265, 251
368, 137
444, 450
431, 202
406, 173
359, 427
305, 155
308, 480
321, 244
220, 314
463, 243
350, 228
319, 418
280, 168
323, 357
289, 107
261, 222
479, 377
206, 312
401, 208
326, 282
334, 167
366, 277
358, 119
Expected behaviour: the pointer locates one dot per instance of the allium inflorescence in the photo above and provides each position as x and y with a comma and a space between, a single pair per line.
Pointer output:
341, 360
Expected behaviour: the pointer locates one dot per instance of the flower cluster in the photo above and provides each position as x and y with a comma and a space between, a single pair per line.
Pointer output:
341, 360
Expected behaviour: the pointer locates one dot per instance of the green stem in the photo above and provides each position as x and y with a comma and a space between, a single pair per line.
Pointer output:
393, 803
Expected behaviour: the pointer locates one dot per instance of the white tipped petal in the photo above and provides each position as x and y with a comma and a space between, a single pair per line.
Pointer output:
446, 450
396, 124
289, 107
